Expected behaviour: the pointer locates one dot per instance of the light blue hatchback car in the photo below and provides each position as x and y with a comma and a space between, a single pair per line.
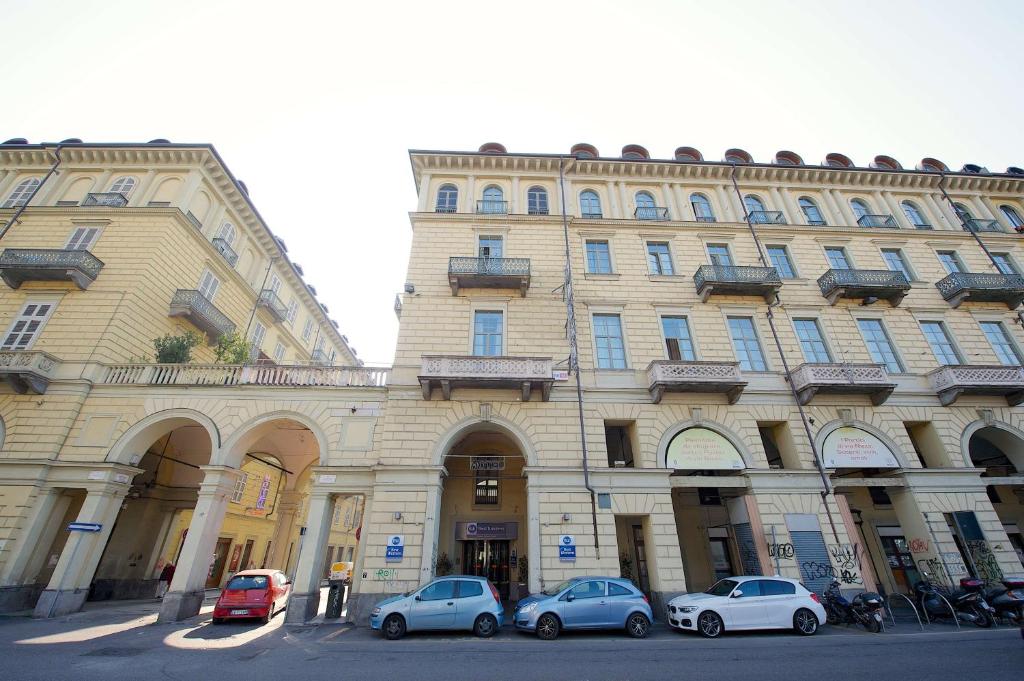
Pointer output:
585, 603
456, 602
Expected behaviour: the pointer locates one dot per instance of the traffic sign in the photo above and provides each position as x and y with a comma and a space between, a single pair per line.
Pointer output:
84, 527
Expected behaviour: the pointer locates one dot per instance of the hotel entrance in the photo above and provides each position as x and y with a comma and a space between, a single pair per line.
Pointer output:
488, 558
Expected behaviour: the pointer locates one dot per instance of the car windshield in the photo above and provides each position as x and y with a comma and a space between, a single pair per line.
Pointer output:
557, 588
246, 582
722, 587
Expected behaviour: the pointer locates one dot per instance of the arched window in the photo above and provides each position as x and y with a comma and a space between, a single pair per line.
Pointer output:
447, 199
963, 212
494, 200
645, 207
227, 232
915, 216
702, 210
590, 204
860, 208
1012, 216
123, 186
22, 193
537, 201
753, 204
811, 212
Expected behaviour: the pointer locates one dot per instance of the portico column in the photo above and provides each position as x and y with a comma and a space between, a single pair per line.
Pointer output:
430, 530
897, 210
305, 598
533, 538
287, 507
613, 201
69, 585
358, 603
188, 588
670, 204
728, 207
929, 539
844, 208
35, 538
513, 200
942, 206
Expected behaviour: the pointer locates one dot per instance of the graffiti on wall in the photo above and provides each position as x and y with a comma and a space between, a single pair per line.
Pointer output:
985, 562
917, 545
784, 551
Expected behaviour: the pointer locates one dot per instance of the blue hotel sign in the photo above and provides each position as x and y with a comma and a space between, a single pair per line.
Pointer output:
567, 548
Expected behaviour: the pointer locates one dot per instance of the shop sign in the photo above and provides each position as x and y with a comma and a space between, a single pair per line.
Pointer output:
567, 548
261, 501
84, 527
560, 374
478, 530
849, 447
487, 463
395, 549
697, 449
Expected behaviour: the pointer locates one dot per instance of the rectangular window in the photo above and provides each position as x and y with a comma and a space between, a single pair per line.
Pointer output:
879, 344
599, 259
487, 333
275, 283
486, 490
489, 247
27, 326
307, 330
208, 285
781, 262
894, 261
239, 491
611, 351
293, 310
746, 344
951, 261
719, 255
678, 344
618, 441
940, 342
879, 497
279, 352
258, 333
811, 341
837, 259
1004, 263
1000, 340
658, 258
82, 238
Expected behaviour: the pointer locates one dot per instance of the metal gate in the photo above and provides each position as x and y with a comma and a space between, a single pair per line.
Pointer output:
749, 561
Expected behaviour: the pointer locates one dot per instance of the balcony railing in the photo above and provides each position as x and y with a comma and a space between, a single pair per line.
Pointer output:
484, 272
982, 287
195, 307
845, 379
695, 377
883, 284
592, 216
521, 373
272, 303
705, 218
18, 265
28, 370
492, 207
767, 217
886, 221
656, 213
319, 357
975, 225
737, 280
950, 382
196, 222
107, 199
245, 374
224, 248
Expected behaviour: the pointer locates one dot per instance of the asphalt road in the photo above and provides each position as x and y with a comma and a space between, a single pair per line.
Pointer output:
124, 644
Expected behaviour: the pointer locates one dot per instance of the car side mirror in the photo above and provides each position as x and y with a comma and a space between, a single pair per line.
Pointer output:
418, 597
288, 583
570, 597
736, 594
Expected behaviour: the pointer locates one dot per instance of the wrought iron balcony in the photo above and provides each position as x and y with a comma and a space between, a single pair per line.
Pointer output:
656, 213
705, 218
28, 370
272, 303
107, 199
197, 308
320, 357
737, 280
887, 221
245, 374
843, 379
191, 217
767, 217
883, 284
224, 248
445, 209
695, 377
521, 373
982, 287
492, 207
18, 265
592, 216
950, 382
976, 225
483, 272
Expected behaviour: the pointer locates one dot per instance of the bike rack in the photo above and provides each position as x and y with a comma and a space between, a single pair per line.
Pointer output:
912, 607
948, 605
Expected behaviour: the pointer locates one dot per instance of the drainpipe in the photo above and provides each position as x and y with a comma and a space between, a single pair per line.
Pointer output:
825, 482
574, 364
22, 207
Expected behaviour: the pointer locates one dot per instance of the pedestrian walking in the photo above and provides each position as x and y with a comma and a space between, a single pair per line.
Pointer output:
166, 575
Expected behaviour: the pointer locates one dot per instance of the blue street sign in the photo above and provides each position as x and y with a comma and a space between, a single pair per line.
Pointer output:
394, 551
567, 548
84, 527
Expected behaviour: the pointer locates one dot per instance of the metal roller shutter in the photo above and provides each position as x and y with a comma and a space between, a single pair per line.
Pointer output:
811, 555
748, 550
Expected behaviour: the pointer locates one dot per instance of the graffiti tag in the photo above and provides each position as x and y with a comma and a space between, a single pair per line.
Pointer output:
918, 545
780, 550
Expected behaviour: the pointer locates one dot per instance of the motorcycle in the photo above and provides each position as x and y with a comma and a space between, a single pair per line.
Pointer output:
865, 609
968, 606
1008, 600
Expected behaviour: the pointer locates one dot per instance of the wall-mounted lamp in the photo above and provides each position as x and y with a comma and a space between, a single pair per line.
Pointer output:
398, 515
566, 517
868, 300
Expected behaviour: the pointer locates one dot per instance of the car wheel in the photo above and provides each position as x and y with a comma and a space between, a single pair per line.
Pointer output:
709, 625
805, 622
548, 627
394, 627
638, 625
486, 625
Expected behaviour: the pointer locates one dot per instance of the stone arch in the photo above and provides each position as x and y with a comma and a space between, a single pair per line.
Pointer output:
826, 430
975, 426
473, 424
141, 435
249, 432
678, 427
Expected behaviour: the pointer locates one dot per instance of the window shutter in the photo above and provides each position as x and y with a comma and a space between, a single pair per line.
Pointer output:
673, 349
27, 326
82, 238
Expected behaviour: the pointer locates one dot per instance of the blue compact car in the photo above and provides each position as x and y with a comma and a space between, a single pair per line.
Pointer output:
585, 603
455, 602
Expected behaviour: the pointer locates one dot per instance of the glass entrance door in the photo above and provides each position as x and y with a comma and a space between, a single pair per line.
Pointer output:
490, 559
901, 563
721, 562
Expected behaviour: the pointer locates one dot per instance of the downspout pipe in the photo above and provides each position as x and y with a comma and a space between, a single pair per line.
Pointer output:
22, 207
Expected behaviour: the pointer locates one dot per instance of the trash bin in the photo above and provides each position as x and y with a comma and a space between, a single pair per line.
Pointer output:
335, 599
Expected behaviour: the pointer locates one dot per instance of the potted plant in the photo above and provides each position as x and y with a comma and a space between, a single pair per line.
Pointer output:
625, 566
175, 349
443, 566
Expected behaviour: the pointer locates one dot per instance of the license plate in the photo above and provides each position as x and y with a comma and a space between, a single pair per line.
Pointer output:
239, 612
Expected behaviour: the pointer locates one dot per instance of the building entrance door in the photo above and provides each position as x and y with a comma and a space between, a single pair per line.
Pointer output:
641, 559
488, 558
901, 563
220, 559
721, 561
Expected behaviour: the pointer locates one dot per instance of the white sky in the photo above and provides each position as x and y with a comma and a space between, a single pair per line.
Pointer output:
314, 105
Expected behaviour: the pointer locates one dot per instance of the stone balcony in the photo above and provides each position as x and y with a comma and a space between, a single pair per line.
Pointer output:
982, 287
482, 272
18, 265
204, 315
950, 382
881, 284
695, 377
27, 370
737, 280
843, 379
458, 371
245, 374
272, 303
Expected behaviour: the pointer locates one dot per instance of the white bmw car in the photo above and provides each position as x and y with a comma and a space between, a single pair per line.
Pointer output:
742, 603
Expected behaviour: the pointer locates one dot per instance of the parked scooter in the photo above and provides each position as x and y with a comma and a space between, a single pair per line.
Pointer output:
968, 605
865, 609
1008, 600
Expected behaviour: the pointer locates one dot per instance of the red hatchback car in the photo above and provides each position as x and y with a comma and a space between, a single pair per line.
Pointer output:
252, 593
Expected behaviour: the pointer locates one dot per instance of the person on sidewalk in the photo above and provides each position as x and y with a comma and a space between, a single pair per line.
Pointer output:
166, 575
